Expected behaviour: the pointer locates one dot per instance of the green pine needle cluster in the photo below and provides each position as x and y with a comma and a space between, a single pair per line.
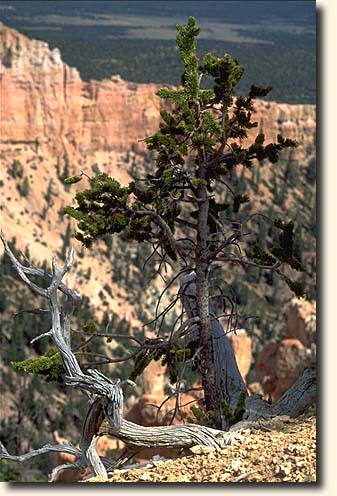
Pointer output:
236, 416
197, 127
143, 359
73, 179
206, 418
170, 358
260, 256
90, 326
48, 366
285, 250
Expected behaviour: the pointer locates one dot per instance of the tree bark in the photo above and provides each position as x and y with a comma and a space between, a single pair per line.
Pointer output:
168, 436
227, 380
213, 393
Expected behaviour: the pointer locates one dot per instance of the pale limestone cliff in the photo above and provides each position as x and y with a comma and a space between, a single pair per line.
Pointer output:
43, 98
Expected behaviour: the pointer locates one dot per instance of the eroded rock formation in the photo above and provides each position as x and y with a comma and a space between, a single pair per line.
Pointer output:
280, 364
44, 99
242, 346
301, 323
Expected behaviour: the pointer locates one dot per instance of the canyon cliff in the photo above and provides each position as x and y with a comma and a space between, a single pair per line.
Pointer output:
44, 99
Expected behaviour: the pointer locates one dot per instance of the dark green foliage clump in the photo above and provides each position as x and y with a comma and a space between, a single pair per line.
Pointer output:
285, 251
23, 187
279, 253
234, 417
206, 418
238, 201
295, 286
9, 472
106, 208
16, 170
260, 256
90, 326
170, 358
142, 360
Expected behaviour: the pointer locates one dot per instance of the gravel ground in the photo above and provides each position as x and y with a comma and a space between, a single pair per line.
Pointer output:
286, 452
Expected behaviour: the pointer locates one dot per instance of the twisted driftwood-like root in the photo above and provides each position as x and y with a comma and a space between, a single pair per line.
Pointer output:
167, 436
293, 403
109, 394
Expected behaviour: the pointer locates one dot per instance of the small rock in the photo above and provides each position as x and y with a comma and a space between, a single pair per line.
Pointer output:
236, 465
225, 477
199, 449
286, 468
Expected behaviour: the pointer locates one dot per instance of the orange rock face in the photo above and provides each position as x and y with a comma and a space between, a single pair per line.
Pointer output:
290, 362
280, 364
242, 347
302, 322
265, 367
43, 98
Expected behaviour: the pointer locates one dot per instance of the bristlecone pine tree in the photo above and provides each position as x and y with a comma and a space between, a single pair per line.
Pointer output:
177, 208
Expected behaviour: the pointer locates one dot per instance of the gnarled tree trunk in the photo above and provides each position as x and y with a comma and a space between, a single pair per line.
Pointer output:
227, 375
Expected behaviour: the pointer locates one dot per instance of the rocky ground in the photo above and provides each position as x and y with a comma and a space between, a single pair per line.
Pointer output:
284, 451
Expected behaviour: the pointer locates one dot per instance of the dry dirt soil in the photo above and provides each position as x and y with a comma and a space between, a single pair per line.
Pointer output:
285, 451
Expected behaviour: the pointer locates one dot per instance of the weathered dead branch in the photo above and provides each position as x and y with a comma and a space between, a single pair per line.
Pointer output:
96, 383
169, 436
299, 397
